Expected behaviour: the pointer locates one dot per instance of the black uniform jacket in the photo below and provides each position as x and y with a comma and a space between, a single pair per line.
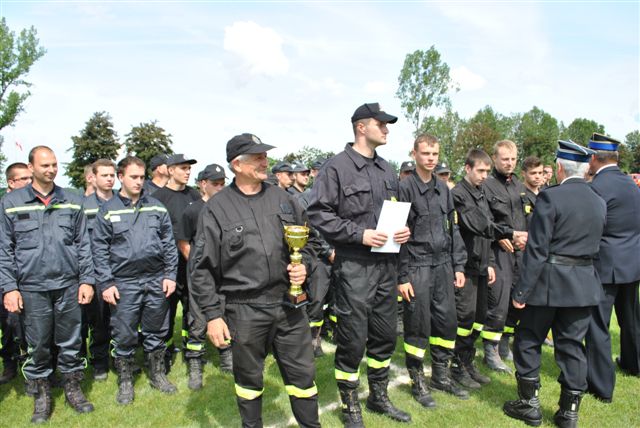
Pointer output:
568, 221
619, 257
476, 226
240, 251
346, 199
506, 196
435, 238
133, 242
44, 247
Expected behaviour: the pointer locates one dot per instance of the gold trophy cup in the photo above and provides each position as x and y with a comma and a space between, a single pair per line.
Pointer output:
296, 237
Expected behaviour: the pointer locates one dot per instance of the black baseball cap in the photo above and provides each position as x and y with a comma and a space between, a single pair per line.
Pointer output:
442, 168
212, 172
317, 164
372, 110
245, 144
407, 166
282, 167
178, 159
299, 167
156, 161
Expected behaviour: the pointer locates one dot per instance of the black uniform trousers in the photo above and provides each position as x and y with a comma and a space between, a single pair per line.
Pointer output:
317, 290
366, 311
257, 330
569, 327
471, 309
430, 316
501, 315
142, 303
601, 376
52, 318
181, 295
96, 316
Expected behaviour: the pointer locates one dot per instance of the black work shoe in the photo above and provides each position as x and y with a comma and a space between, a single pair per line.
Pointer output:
195, 373
492, 358
461, 376
126, 392
42, 401
567, 415
30, 387
441, 381
226, 360
419, 389
503, 348
100, 374
527, 407
73, 393
378, 402
475, 373
351, 413
157, 374
9, 372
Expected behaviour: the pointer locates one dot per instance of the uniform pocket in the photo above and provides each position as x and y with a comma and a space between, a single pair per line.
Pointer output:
65, 223
26, 234
357, 197
234, 235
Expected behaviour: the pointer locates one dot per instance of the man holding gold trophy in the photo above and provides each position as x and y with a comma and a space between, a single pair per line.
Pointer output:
249, 286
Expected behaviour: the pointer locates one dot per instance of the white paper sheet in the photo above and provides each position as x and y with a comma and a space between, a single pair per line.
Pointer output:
393, 217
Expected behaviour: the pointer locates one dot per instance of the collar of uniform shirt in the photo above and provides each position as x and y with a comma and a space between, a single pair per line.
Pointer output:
573, 176
606, 166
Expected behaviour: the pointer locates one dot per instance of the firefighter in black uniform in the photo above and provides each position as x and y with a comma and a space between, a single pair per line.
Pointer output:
240, 253
431, 266
533, 179
505, 194
478, 231
136, 263
618, 266
558, 288
346, 200
46, 272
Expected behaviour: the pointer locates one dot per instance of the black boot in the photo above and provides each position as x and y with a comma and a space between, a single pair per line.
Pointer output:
124, 367
492, 357
378, 402
461, 376
567, 415
157, 374
466, 358
419, 389
316, 341
9, 371
42, 401
503, 348
441, 381
351, 413
527, 407
226, 360
73, 393
195, 373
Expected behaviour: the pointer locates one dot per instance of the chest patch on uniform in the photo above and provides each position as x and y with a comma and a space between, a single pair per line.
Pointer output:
23, 216
115, 218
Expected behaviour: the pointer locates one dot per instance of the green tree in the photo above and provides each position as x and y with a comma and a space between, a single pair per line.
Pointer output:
483, 130
97, 140
632, 140
537, 134
580, 131
148, 140
306, 155
424, 82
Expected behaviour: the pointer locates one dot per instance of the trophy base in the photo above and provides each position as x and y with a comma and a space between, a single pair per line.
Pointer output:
296, 301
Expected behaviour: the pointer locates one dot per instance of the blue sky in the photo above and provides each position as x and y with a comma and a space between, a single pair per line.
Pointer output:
293, 72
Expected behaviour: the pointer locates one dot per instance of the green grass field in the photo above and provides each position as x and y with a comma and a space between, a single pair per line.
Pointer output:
215, 405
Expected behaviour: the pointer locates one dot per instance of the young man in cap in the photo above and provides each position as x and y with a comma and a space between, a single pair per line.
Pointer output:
241, 274
136, 262
96, 314
300, 178
504, 192
406, 169
210, 180
430, 268
159, 174
443, 172
46, 272
176, 196
284, 174
558, 288
618, 266
346, 201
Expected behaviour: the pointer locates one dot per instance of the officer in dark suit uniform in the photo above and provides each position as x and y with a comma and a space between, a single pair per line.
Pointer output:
558, 287
618, 265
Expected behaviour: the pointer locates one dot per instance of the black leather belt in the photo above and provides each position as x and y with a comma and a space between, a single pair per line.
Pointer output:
569, 261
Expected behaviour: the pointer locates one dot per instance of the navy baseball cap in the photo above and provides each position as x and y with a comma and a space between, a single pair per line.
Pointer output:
211, 172
245, 144
372, 110
282, 167
407, 166
179, 159
156, 161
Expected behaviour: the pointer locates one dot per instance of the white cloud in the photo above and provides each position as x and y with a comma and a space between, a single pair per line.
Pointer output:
377, 87
466, 79
259, 48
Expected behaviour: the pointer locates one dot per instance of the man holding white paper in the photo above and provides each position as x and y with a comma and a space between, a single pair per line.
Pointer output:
346, 202
426, 275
